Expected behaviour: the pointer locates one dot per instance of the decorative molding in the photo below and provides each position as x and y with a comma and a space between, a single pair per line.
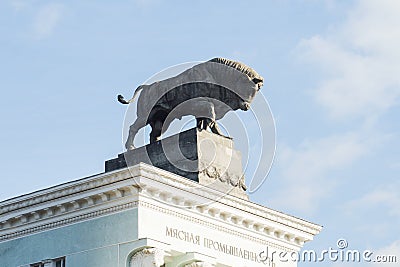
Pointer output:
74, 219
224, 176
218, 211
198, 264
63, 190
211, 225
151, 257
67, 203
235, 202
165, 177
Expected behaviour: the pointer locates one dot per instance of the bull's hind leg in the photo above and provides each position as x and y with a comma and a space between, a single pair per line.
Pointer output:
133, 130
155, 134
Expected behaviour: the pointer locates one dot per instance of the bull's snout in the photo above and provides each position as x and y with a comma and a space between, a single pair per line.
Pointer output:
244, 106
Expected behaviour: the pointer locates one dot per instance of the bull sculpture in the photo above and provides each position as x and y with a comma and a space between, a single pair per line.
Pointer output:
207, 91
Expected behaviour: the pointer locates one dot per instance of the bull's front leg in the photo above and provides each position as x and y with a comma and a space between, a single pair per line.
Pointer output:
211, 121
215, 128
201, 123
207, 120
207, 123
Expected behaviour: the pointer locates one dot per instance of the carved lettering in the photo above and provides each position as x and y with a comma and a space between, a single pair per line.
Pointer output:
212, 244
183, 235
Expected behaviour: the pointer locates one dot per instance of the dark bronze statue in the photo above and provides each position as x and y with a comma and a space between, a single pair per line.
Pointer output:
207, 91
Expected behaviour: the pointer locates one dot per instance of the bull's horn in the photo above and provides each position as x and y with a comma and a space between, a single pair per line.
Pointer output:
257, 80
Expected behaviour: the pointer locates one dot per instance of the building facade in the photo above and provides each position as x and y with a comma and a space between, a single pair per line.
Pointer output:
144, 216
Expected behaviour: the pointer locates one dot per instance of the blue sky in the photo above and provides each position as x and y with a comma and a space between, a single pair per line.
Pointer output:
331, 72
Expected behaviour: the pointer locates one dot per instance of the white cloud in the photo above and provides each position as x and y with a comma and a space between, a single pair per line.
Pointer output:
384, 253
361, 58
391, 250
305, 169
46, 20
386, 198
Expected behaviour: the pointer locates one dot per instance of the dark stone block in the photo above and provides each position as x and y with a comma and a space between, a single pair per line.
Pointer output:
201, 156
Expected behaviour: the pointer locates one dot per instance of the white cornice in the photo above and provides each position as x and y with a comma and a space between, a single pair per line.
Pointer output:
214, 196
115, 191
63, 190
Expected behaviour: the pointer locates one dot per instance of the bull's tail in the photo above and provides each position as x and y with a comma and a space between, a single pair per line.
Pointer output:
122, 100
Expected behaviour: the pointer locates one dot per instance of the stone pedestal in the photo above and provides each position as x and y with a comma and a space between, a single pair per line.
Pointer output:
201, 156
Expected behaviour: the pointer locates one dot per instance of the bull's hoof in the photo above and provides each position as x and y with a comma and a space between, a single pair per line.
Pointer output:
226, 136
130, 147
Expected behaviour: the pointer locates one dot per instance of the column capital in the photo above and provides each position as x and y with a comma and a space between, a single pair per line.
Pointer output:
199, 264
153, 257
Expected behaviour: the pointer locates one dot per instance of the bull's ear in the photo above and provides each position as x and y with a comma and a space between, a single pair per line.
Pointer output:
257, 80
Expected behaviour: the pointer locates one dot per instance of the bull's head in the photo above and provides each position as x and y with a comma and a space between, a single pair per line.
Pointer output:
259, 82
